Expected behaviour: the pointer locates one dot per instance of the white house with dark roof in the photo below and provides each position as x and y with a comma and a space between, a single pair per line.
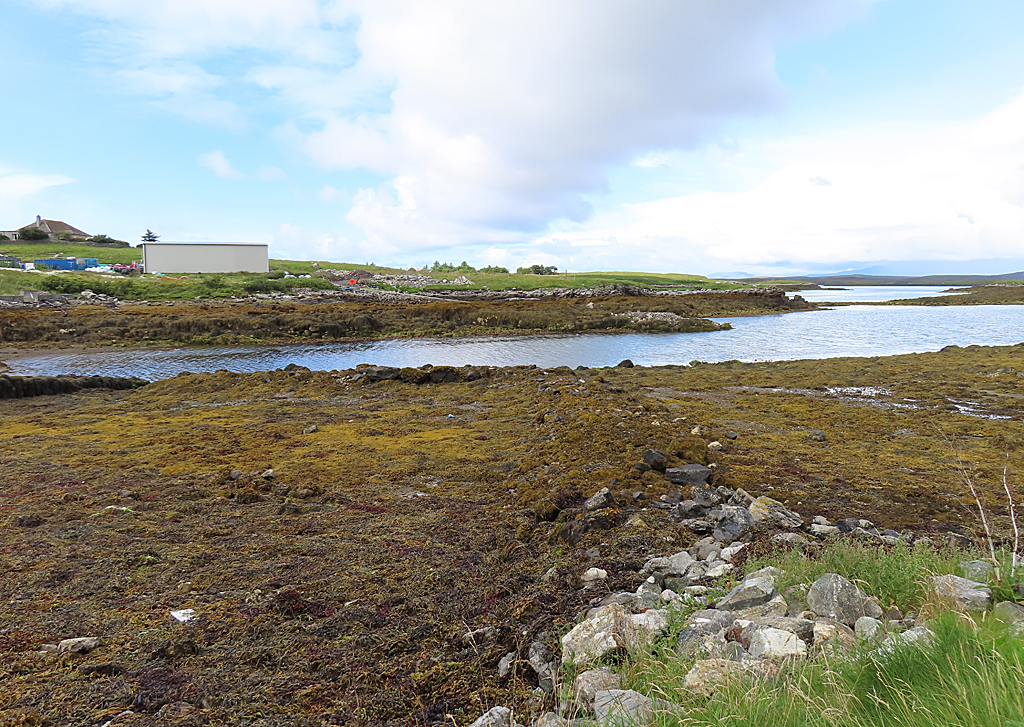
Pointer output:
50, 227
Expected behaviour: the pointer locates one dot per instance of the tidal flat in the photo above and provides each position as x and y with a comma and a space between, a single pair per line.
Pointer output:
337, 533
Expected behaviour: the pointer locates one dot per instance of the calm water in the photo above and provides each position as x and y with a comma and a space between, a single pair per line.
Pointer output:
872, 293
846, 331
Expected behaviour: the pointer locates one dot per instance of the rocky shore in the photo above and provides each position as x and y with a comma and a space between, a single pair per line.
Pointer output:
384, 546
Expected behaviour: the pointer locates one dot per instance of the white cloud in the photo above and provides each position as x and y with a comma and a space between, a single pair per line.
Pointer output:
217, 163
270, 174
18, 185
951, 192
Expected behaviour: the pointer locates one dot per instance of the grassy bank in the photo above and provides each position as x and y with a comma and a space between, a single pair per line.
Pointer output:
336, 589
1009, 293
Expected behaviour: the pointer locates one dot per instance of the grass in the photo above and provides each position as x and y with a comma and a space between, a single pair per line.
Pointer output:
13, 282
970, 675
105, 255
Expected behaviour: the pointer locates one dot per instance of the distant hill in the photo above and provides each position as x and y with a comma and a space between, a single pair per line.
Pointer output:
840, 279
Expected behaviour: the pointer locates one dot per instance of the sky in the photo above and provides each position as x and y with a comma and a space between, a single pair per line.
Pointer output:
754, 136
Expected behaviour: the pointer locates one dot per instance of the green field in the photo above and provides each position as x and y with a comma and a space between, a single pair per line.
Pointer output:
217, 285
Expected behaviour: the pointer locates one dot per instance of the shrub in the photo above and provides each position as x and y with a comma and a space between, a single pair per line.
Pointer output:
32, 233
493, 269
538, 270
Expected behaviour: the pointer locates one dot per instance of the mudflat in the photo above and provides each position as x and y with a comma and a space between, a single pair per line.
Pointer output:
336, 534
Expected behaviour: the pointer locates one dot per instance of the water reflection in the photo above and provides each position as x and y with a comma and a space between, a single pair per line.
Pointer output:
846, 331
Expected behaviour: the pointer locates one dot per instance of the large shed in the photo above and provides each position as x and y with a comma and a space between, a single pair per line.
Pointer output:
204, 257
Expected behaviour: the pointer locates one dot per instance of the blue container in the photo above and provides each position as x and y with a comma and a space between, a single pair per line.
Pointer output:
57, 263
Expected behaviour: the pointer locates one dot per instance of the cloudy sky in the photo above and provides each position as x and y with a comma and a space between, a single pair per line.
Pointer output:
706, 136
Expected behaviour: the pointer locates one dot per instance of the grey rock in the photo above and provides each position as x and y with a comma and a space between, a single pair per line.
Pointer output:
639, 630
702, 630
832, 635
1009, 612
688, 475
790, 538
544, 664
867, 627
731, 435
664, 567
816, 435
311, 429
717, 570
802, 627
622, 708
837, 598
823, 531
80, 645
588, 683
495, 717
708, 496
820, 520
687, 509
654, 459
599, 500
964, 593
549, 719
849, 524
733, 521
629, 602
708, 675
236, 474
768, 642
740, 497
751, 592
505, 665
769, 572
595, 637
706, 547
977, 570
776, 607
766, 511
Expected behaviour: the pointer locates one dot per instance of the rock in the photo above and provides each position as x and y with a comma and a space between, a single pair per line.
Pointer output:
505, 665
622, 708
706, 547
964, 593
311, 429
816, 435
654, 459
771, 642
599, 500
592, 553
588, 683
673, 565
236, 474
802, 627
688, 475
769, 572
707, 675
849, 524
732, 551
595, 637
751, 592
733, 521
703, 631
741, 497
835, 597
624, 364
592, 576
267, 474
776, 607
544, 664
820, 520
823, 531
641, 629
81, 645
867, 627
716, 446
719, 570
548, 719
629, 602
790, 538
495, 717
687, 509
1009, 612
710, 496
27, 521
977, 570
731, 435
766, 511
829, 634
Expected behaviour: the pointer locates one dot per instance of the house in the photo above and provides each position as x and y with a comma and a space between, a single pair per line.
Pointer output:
204, 257
52, 228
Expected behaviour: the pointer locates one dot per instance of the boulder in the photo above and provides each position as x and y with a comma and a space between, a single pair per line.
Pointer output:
81, 645
687, 509
505, 665
837, 598
823, 531
771, 642
599, 500
655, 459
707, 675
766, 511
867, 627
703, 631
751, 592
977, 570
549, 719
622, 708
964, 593
733, 521
664, 567
593, 576
597, 636
588, 683
717, 570
639, 630
495, 717
802, 627
544, 664
689, 475
849, 524
832, 635
776, 607
1009, 612
794, 539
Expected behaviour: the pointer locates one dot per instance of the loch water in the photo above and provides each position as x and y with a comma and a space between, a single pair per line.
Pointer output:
855, 330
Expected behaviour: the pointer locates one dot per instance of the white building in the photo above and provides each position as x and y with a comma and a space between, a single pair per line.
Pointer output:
204, 257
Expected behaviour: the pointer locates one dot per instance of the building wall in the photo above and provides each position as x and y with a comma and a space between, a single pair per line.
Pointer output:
204, 257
